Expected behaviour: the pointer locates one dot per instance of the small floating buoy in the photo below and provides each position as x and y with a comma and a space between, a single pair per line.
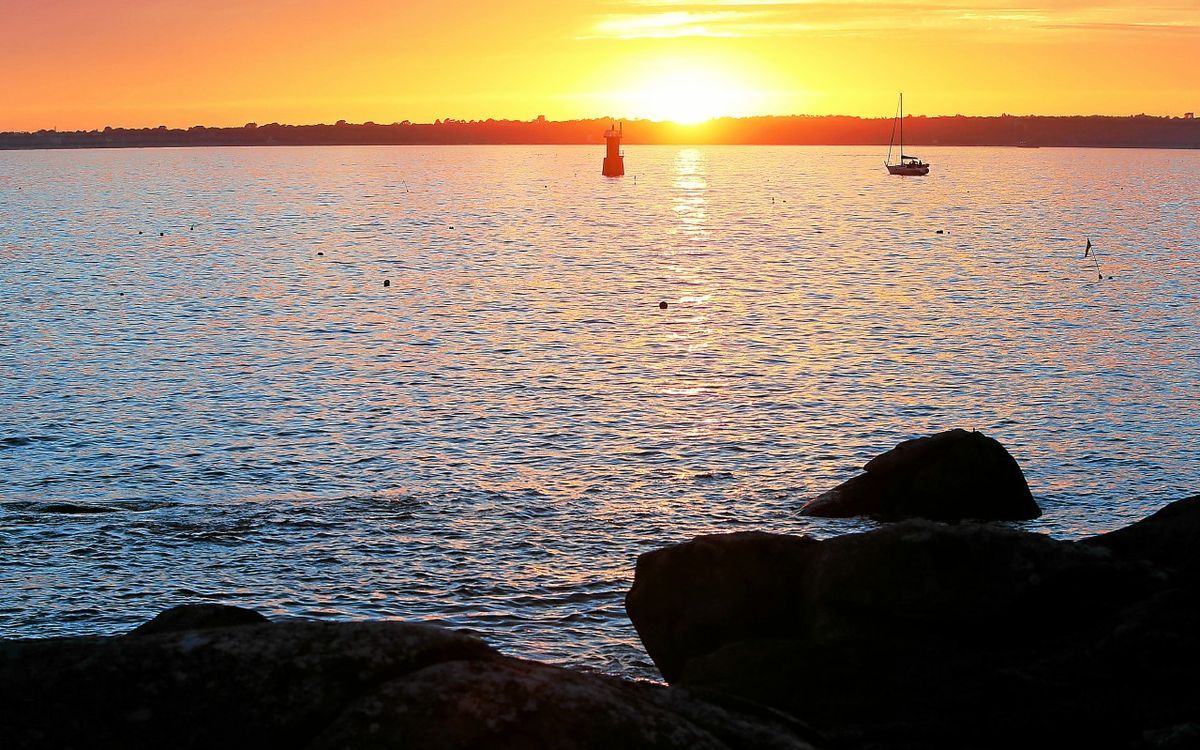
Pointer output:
387, 282
939, 231
320, 253
139, 231
662, 305
162, 234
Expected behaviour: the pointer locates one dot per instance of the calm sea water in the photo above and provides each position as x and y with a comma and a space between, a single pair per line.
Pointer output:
490, 441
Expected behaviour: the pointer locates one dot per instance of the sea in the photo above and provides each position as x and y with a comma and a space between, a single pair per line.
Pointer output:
438, 384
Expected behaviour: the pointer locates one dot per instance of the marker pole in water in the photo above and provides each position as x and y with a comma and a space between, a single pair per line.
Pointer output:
1087, 250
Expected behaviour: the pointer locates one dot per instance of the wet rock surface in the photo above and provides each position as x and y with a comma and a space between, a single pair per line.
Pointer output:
929, 635
217, 683
948, 476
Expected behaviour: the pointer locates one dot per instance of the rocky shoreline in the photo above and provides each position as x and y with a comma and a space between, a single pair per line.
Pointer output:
928, 635
918, 634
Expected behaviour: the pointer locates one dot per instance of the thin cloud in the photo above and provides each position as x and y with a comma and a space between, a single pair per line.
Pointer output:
642, 19
672, 24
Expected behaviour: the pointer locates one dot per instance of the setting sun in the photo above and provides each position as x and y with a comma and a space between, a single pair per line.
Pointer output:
689, 96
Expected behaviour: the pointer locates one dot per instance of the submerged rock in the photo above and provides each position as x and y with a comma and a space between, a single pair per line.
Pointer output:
948, 476
341, 685
923, 635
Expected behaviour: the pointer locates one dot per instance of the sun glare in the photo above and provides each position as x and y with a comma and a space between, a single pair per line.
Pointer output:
689, 96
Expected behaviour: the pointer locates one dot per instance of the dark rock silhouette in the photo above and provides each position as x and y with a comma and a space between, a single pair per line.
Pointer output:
923, 635
198, 617
693, 598
948, 476
342, 685
508, 703
1169, 538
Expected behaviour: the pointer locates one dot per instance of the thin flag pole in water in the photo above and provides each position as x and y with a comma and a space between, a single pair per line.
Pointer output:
1087, 250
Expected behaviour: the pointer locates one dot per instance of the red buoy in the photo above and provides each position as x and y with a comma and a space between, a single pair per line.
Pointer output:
614, 160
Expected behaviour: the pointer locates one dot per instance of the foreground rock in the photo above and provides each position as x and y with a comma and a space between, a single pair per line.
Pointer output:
340, 685
948, 476
198, 617
1170, 538
921, 635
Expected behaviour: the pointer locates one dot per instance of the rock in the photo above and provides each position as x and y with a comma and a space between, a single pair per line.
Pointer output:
1169, 538
198, 617
342, 685
948, 476
691, 598
923, 635
913, 579
509, 703
1178, 737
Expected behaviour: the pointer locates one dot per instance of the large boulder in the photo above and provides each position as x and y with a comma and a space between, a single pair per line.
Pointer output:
968, 582
692, 598
925, 635
948, 476
343, 685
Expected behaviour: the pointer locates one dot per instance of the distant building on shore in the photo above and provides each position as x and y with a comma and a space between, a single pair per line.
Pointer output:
1189, 115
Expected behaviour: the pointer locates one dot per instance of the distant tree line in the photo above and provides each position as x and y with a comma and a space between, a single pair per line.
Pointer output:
1006, 130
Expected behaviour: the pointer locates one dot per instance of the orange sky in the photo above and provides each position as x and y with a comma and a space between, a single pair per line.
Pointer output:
89, 63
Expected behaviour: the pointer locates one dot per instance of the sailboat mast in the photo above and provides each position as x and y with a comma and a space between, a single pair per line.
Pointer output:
901, 127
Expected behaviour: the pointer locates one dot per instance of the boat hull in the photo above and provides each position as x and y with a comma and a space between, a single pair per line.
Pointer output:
908, 170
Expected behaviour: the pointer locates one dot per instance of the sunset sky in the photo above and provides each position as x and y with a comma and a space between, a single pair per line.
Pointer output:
89, 63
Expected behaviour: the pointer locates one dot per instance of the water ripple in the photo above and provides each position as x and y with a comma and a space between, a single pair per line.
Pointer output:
245, 413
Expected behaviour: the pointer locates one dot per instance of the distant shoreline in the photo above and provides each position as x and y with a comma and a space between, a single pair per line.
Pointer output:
1138, 131
135, 146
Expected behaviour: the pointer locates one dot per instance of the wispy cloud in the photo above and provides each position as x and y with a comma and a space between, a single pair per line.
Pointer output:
668, 24
641, 19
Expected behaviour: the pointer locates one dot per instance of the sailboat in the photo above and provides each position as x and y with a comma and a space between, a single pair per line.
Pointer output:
909, 166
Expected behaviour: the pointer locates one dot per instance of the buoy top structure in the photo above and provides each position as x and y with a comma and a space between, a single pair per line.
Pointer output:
614, 160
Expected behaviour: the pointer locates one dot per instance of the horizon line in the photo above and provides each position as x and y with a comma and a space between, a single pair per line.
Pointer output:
543, 120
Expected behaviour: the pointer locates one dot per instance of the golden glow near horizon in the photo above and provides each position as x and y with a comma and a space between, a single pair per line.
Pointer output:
90, 63
688, 92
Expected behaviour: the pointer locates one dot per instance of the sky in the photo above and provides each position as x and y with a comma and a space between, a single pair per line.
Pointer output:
82, 64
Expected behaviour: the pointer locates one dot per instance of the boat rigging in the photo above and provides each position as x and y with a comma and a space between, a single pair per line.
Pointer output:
909, 166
